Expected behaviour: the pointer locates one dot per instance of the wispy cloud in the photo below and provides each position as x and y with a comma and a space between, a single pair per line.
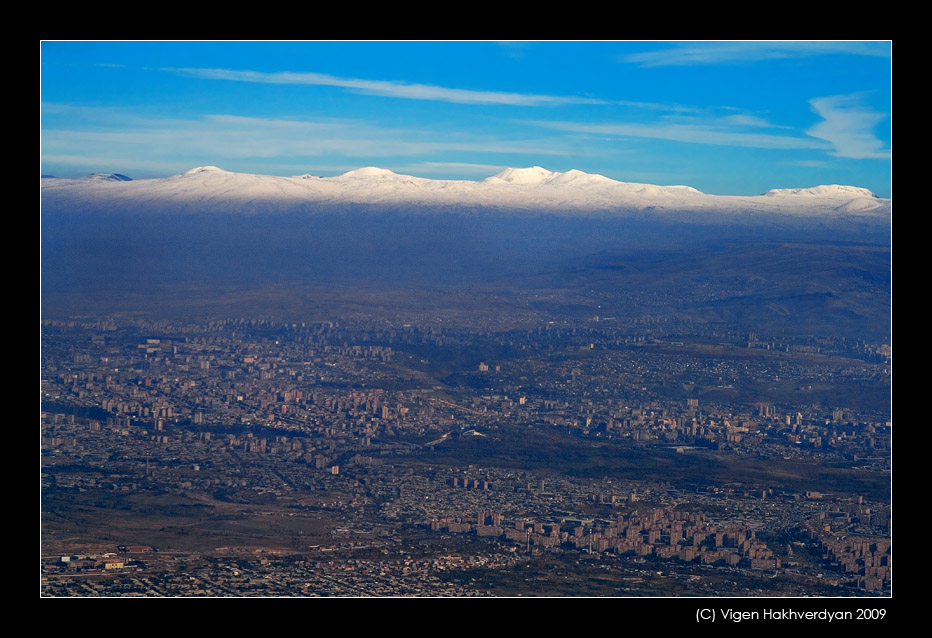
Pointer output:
514, 48
846, 130
387, 88
203, 139
848, 125
750, 120
705, 53
411, 91
697, 133
810, 164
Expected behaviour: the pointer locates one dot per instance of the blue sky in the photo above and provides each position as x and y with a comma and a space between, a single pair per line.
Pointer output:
724, 117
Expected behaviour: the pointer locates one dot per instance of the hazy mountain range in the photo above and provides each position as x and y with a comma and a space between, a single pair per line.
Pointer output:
210, 189
814, 259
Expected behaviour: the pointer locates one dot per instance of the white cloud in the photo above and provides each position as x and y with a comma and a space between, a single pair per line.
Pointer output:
750, 120
849, 126
702, 133
404, 90
810, 164
705, 53
388, 88
216, 138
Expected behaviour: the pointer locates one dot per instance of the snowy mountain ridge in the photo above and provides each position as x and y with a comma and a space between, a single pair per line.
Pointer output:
212, 189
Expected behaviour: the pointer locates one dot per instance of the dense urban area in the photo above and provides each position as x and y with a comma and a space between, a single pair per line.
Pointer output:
388, 457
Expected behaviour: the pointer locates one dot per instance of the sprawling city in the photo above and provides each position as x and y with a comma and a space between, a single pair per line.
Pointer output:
392, 457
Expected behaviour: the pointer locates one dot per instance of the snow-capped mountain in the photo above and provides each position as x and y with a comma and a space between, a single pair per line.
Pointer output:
107, 177
177, 240
833, 190
535, 189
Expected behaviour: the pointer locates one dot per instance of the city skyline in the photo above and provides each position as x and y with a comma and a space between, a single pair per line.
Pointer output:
723, 117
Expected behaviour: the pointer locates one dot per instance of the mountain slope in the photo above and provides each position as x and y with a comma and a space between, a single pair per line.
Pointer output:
815, 259
210, 189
